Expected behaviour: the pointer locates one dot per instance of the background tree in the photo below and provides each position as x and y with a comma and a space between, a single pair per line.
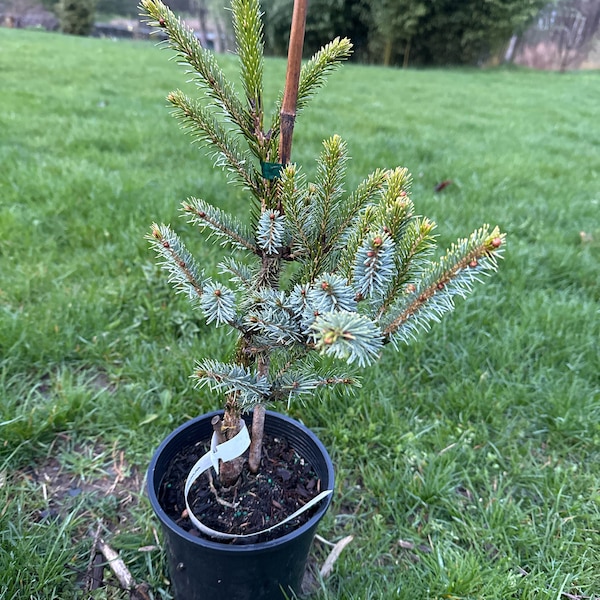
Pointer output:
394, 24
125, 8
48, 4
469, 31
326, 20
393, 31
76, 17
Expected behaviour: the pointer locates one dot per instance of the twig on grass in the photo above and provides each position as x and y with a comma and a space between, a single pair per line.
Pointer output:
334, 555
116, 565
311, 582
121, 572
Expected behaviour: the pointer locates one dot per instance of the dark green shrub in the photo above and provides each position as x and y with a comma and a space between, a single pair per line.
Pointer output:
76, 17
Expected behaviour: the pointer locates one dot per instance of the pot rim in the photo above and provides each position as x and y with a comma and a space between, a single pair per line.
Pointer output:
228, 547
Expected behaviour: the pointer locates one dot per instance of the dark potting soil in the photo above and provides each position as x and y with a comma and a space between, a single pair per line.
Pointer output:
284, 483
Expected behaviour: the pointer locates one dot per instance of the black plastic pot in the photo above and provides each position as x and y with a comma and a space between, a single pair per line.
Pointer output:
202, 569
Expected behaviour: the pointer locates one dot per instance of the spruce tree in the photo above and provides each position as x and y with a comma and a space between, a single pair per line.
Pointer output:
318, 272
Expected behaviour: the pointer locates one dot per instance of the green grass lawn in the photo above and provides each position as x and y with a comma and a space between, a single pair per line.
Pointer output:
468, 466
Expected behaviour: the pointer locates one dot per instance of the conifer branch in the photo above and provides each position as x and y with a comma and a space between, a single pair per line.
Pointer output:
203, 126
184, 273
348, 336
315, 72
454, 274
269, 318
222, 224
247, 25
330, 292
294, 385
209, 76
396, 207
271, 332
350, 243
299, 302
329, 184
271, 231
301, 374
218, 304
325, 194
313, 76
344, 239
374, 265
414, 246
398, 183
229, 378
269, 272
291, 189
272, 319
240, 274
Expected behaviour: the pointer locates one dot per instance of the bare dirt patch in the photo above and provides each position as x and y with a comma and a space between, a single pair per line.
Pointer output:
60, 485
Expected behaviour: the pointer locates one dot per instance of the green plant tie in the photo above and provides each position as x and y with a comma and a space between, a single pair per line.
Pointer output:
270, 170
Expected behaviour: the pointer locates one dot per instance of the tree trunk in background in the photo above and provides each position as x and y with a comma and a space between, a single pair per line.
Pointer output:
406, 54
510, 51
220, 41
202, 33
387, 52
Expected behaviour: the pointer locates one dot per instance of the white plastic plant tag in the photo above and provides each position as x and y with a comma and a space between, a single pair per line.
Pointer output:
227, 451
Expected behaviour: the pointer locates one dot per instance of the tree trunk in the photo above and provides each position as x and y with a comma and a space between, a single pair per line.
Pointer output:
220, 35
202, 23
258, 420
406, 54
387, 52
202, 34
230, 471
258, 429
510, 50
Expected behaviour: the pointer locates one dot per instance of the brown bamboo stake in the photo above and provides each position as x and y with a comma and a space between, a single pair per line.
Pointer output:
290, 93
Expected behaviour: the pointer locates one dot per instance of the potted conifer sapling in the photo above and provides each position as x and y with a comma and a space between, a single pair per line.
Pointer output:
311, 273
